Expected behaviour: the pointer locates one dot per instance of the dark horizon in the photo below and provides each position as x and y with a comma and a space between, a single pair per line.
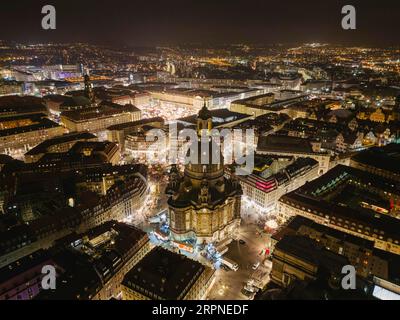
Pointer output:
158, 23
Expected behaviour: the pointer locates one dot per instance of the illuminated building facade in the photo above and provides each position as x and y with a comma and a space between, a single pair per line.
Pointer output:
99, 118
139, 145
266, 191
10, 87
119, 133
25, 132
192, 99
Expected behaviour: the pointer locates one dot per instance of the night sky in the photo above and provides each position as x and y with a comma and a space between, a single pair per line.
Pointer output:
165, 22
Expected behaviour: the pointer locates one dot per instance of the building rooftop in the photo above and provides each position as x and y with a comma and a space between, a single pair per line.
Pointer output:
24, 264
308, 250
297, 222
254, 102
385, 158
276, 143
69, 137
13, 105
75, 101
90, 259
103, 110
314, 197
137, 123
219, 117
182, 91
37, 122
163, 274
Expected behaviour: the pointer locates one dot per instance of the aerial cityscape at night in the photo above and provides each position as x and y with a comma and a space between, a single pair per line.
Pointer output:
208, 158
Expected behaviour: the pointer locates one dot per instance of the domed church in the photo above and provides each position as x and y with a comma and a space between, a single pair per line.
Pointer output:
203, 204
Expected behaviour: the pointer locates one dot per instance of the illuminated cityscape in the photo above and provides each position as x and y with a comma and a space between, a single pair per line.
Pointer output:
145, 169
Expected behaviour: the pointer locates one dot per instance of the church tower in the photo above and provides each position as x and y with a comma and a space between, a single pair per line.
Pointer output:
203, 204
89, 89
204, 120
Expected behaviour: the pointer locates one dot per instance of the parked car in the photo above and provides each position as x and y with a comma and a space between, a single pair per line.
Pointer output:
241, 241
256, 265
